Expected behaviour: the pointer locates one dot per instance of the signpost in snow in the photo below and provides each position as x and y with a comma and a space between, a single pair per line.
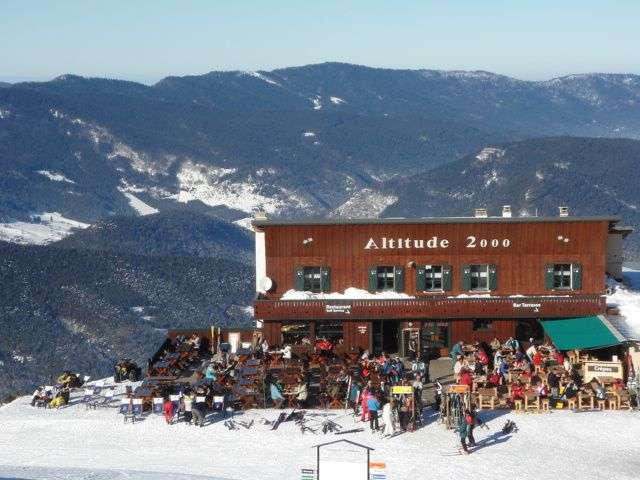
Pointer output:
342, 459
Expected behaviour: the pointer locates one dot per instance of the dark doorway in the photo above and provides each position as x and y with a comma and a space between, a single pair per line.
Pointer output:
529, 328
386, 336
434, 338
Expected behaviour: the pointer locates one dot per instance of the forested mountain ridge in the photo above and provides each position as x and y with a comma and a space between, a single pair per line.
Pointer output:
141, 185
63, 308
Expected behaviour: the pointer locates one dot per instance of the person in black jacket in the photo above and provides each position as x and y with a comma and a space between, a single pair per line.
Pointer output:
554, 384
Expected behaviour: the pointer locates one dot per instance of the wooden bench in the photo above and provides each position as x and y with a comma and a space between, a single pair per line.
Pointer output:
531, 402
624, 400
585, 401
487, 398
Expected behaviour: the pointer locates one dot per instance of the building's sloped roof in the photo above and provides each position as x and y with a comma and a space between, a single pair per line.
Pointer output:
260, 222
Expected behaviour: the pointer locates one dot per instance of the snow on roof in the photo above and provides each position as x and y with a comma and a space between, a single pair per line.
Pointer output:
349, 294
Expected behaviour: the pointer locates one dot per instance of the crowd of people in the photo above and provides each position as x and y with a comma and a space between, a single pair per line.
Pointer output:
57, 395
515, 371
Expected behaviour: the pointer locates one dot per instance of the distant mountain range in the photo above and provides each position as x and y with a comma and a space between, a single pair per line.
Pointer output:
141, 193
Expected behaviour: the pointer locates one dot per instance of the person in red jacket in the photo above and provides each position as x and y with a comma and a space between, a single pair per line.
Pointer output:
466, 378
495, 379
537, 358
167, 410
517, 391
364, 402
483, 358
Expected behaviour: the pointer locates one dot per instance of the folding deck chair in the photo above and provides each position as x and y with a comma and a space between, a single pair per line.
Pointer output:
126, 409
106, 399
87, 398
175, 399
158, 404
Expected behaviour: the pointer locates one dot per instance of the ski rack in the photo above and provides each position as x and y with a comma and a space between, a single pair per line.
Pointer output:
455, 400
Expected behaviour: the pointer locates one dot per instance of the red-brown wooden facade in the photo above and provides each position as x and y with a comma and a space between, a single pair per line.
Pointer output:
519, 248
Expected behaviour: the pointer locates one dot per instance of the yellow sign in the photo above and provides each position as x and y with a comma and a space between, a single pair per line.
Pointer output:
402, 389
458, 388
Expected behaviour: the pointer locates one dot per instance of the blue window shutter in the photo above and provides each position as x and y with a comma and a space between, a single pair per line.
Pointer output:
446, 277
493, 278
325, 276
576, 276
373, 279
466, 278
398, 281
548, 276
421, 281
298, 279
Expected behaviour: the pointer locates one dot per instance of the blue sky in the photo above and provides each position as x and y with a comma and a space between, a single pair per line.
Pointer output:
147, 40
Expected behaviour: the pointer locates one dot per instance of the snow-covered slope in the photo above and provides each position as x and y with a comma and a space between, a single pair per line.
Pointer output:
74, 443
626, 296
45, 228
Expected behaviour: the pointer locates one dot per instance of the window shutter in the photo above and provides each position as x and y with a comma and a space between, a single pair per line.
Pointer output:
466, 278
398, 281
421, 280
576, 276
548, 276
325, 276
446, 277
298, 280
493, 278
373, 279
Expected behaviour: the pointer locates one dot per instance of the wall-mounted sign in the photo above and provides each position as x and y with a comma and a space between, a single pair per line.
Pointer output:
341, 309
601, 369
362, 329
435, 242
534, 306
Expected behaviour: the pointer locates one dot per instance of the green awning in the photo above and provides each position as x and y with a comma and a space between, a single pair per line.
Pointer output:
582, 333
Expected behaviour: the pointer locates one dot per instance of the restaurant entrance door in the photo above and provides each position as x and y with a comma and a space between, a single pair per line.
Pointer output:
434, 338
386, 336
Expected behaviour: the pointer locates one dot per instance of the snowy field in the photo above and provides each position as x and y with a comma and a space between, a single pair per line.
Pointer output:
74, 443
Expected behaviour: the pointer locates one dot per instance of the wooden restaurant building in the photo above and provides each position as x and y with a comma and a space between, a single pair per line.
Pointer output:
386, 284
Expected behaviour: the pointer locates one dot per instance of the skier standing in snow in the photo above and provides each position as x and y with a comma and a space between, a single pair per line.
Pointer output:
471, 419
463, 431
388, 417
373, 404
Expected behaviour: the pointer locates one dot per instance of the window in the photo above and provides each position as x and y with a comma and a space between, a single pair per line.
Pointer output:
479, 277
433, 278
331, 330
562, 276
386, 277
480, 324
294, 333
312, 279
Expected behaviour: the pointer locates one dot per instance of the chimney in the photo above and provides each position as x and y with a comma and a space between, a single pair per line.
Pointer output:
506, 211
564, 211
481, 213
